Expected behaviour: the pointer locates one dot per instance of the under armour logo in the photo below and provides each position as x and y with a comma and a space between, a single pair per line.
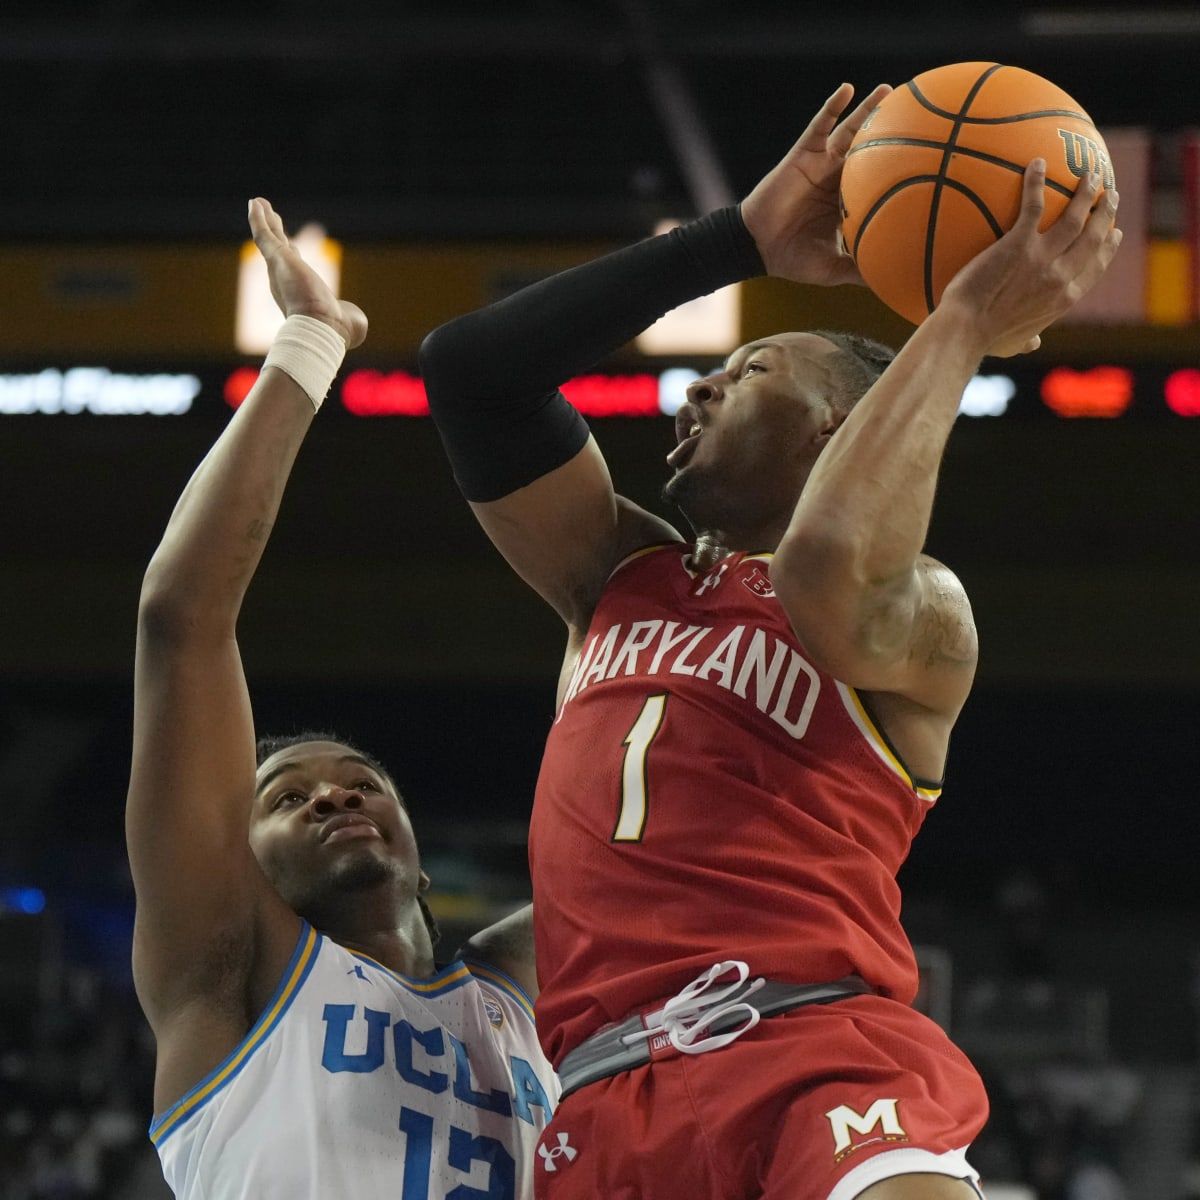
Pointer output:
358, 973
548, 1156
712, 579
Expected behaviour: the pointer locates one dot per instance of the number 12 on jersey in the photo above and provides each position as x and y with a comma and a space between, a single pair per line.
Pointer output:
464, 1151
631, 821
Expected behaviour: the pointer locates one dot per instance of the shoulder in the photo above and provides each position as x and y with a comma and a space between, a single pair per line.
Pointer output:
637, 531
505, 951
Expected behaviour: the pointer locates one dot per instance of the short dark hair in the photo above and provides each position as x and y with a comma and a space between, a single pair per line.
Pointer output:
271, 744
859, 361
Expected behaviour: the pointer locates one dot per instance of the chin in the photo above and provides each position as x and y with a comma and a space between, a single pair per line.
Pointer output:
690, 492
361, 871
353, 874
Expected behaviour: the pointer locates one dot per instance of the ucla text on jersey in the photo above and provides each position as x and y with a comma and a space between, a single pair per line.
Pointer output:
360, 1081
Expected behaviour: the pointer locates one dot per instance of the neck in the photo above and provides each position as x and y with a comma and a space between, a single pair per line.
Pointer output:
712, 545
403, 947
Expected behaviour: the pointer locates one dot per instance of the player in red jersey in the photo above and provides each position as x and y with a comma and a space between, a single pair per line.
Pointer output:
751, 728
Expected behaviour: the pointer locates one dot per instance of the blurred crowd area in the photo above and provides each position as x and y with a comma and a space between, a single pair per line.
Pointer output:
76, 1084
1074, 1116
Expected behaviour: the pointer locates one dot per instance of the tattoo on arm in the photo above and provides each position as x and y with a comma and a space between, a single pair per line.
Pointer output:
946, 632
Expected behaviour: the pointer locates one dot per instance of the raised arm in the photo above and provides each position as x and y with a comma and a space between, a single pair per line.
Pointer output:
849, 572
211, 937
522, 456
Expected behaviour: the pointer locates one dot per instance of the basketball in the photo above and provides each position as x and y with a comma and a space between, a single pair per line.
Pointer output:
934, 176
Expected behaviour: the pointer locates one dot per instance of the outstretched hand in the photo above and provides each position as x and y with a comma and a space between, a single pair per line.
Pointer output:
794, 212
296, 287
1026, 280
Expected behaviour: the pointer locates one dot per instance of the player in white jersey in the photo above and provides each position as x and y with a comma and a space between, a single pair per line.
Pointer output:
308, 1044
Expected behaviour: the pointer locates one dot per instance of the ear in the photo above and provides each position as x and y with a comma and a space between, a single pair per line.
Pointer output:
831, 422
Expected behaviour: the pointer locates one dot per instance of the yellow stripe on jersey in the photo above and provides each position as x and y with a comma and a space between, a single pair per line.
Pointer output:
878, 743
502, 981
422, 987
171, 1119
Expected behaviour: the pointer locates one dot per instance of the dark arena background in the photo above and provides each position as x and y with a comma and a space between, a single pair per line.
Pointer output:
445, 154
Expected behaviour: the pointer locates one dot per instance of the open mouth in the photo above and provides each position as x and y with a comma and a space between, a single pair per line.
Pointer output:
689, 439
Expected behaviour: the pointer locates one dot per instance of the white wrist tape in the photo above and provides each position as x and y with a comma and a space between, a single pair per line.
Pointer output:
310, 352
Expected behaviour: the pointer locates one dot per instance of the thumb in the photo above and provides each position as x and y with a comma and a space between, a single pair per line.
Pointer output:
845, 270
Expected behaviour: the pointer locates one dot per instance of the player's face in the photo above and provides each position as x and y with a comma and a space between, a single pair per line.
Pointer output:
325, 822
749, 433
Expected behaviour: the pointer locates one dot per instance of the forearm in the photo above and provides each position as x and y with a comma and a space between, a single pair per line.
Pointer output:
492, 376
219, 528
868, 500
534, 340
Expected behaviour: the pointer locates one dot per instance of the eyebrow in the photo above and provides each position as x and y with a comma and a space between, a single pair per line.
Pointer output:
283, 768
751, 349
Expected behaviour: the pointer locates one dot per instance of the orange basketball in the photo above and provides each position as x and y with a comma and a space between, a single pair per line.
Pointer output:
934, 176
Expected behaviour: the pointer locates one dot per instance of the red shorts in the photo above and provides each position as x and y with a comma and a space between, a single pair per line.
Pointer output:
816, 1104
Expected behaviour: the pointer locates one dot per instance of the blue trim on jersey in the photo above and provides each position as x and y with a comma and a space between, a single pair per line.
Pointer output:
450, 977
486, 973
308, 947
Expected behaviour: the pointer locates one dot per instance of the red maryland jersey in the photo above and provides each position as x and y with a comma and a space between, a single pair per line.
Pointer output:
706, 794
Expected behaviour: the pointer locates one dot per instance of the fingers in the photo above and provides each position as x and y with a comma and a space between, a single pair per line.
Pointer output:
266, 226
256, 217
1097, 262
1074, 217
824, 132
1033, 198
823, 124
1092, 236
844, 134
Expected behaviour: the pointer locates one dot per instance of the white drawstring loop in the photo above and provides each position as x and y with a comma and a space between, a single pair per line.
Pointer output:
696, 1007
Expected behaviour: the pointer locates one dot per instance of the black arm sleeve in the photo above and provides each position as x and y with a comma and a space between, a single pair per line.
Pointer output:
492, 376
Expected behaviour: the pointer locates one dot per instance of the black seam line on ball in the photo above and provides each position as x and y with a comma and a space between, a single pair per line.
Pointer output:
1025, 116
896, 187
966, 152
911, 181
939, 183
977, 200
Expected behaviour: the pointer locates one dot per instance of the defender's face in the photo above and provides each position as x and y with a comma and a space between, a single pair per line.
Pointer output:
749, 433
324, 820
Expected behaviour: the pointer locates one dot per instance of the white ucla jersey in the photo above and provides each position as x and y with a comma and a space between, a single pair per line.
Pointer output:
358, 1083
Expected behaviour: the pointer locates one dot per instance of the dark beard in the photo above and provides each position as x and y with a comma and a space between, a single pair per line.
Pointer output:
681, 491
330, 896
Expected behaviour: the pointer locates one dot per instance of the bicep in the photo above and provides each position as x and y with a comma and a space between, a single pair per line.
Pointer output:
564, 532
913, 636
200, 892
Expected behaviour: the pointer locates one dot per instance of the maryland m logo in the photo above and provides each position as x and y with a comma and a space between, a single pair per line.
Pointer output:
881, 1115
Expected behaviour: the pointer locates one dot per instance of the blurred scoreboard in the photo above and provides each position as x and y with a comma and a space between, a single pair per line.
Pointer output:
1006, 389
79, 304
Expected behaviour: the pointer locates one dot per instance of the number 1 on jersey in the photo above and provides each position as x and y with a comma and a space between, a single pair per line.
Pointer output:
631, 823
